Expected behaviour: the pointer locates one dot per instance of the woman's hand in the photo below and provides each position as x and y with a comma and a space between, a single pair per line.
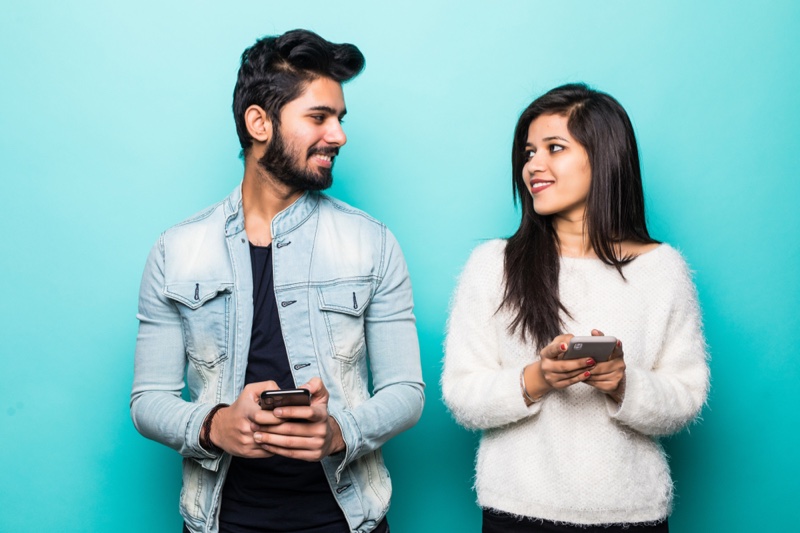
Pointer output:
609, 377
551, 372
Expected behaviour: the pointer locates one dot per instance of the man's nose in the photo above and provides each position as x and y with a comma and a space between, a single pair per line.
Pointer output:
335, 134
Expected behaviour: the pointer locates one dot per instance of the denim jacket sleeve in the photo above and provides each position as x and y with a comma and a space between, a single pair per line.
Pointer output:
394, 358
157, 409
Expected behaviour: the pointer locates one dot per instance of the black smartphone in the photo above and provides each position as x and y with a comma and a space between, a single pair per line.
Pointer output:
598, 348
270, 399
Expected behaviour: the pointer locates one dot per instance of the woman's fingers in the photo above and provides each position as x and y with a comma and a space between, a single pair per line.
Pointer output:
556, 349
608, 376
561, 374
617, 353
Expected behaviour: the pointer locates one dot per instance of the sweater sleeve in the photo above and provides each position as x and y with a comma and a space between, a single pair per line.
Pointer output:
480, 389
661, 400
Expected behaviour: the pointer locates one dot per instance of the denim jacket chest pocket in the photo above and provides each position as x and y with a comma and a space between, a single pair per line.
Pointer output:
204, 309
342, 306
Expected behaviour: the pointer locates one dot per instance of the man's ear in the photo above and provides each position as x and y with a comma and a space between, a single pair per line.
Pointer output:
259, 126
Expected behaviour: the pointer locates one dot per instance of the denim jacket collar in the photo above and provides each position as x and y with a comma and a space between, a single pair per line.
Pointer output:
284, 222
294, 215
234, 214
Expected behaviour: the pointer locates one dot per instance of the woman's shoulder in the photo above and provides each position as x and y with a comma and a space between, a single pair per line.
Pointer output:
662, 263
662, 253
485, 263
635, 249
489, 251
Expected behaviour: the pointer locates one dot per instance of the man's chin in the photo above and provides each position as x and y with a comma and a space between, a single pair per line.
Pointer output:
308, 181
321, 184
318, 180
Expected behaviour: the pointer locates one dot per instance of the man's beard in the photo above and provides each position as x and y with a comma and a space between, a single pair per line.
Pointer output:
282, 164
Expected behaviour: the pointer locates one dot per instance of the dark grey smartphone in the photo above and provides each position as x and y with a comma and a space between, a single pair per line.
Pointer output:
598, 348
270, 399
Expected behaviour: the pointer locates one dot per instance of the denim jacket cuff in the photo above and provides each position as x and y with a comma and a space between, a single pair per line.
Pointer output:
352, 439
207, 459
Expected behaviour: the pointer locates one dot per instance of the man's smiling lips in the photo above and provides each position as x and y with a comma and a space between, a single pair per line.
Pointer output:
538, 185
324, 160
323, 156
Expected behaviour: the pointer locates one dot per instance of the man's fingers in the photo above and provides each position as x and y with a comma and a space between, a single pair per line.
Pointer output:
314, 386
297, 442
319, 394
293, 453
265, 417
299, 413
254, 390
301, 429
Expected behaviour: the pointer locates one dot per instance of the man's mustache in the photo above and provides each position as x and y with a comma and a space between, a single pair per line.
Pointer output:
324, 150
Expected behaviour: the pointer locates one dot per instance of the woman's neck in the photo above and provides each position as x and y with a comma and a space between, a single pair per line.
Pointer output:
573, 240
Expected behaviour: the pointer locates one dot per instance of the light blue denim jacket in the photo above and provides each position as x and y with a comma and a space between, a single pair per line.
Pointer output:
344, 298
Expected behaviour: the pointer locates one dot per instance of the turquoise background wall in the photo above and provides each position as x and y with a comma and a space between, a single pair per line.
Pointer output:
115, 123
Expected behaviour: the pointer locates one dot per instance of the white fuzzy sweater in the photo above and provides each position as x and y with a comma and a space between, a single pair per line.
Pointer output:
577, 456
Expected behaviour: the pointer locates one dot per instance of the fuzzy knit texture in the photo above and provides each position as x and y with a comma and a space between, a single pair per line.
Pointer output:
577, 456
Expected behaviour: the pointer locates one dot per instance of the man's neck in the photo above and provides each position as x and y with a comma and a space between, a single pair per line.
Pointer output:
263, 197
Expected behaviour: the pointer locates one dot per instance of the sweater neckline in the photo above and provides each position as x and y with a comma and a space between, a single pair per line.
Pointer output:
594, 260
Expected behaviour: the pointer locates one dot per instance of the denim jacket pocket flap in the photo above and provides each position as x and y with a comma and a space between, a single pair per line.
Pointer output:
204, 308
195, 294
350, 298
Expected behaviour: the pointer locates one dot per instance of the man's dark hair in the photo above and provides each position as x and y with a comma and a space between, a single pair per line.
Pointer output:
614, 207
277, 69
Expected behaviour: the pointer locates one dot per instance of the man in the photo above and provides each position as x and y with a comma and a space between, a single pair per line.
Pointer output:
275, 287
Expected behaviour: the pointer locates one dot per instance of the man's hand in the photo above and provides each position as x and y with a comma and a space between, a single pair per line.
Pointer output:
307, 433
232, 427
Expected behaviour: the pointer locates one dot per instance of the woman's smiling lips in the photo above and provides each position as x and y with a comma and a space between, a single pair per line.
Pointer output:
538, 185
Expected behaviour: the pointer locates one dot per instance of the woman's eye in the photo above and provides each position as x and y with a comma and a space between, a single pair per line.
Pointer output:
318, 118
529, 154
556, 148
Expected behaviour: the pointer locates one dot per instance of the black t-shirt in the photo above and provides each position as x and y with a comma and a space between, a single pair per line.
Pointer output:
276, 494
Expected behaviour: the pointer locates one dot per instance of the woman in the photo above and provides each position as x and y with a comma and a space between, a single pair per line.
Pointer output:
569, 444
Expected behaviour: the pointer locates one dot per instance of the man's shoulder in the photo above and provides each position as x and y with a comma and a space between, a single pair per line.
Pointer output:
196, 248
208, 218
201, 217
338, 208
202, 234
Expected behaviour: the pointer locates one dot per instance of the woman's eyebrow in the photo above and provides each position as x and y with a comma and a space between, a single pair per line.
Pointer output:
555, 138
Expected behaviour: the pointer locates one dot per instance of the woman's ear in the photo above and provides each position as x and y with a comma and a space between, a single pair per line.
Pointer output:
259, 126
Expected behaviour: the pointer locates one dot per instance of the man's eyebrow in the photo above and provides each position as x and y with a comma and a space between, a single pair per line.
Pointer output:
329, 110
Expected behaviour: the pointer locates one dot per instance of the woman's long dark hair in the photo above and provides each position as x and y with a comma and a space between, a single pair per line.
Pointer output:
614, 211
